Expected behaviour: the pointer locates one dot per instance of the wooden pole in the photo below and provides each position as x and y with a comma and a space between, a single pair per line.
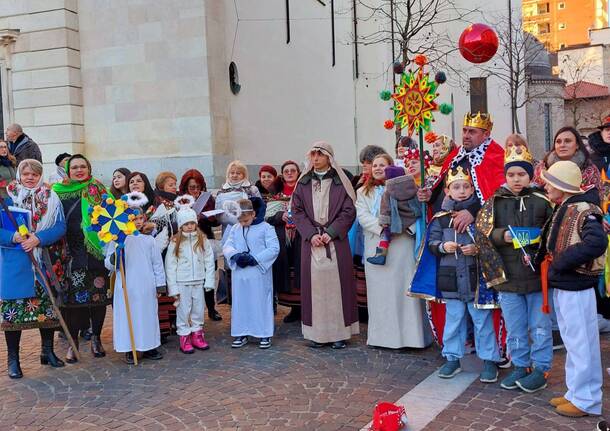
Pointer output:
422, 168
127, 309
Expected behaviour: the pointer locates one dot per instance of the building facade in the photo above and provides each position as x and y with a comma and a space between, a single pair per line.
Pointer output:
173, 84
560, 24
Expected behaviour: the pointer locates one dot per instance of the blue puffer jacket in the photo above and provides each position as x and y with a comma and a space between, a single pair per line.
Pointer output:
16, 270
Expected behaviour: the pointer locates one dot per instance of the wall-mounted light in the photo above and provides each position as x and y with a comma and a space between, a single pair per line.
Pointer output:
234, 78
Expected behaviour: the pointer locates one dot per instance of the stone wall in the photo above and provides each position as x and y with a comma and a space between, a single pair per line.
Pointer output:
146, 87
542, 91
144, 83
45, 78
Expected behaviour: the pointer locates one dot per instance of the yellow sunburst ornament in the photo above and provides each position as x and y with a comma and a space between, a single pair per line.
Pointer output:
112, 220
414, 99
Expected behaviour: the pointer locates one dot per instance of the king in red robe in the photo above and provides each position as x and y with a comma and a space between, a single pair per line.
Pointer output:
484, 159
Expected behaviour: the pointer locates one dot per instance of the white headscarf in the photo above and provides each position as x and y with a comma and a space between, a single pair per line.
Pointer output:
326, 149
32, 198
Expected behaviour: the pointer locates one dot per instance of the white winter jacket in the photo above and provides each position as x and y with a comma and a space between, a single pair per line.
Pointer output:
193, 266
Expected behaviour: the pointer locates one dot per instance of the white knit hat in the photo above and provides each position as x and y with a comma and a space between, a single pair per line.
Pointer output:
185, 213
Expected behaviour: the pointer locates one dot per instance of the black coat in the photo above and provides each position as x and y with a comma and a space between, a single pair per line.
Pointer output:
563, 272
600, 151
289, 258
205, 224
25, 148
507, 211
265, 194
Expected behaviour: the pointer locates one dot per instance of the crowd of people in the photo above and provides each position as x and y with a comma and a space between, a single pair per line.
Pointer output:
489, 248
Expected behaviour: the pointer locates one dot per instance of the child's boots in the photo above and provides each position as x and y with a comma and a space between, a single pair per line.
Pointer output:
380, 256
185, 344
198, 340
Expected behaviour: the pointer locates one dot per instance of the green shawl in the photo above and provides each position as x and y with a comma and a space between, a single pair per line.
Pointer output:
90, 193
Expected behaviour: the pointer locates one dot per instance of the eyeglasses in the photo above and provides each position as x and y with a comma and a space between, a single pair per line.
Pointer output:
194, 187
288, 171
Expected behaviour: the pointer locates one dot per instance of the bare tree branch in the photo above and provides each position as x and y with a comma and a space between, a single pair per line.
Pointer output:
575, 70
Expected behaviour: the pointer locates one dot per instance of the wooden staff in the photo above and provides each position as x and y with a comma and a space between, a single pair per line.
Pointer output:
45, 284
422, 177
127, 309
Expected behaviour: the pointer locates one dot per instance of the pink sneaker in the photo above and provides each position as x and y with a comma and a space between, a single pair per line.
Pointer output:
198, 340
185, 344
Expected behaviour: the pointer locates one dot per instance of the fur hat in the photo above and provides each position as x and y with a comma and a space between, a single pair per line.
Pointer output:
245, 206
135, 200
185, 213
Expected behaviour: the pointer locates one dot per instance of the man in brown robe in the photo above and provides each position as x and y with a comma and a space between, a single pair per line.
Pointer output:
323, 211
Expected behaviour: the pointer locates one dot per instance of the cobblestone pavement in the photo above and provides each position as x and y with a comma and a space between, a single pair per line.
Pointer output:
288, 387
489, 407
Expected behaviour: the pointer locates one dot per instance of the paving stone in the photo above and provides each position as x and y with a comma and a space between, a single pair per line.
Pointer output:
516, 411
287, 387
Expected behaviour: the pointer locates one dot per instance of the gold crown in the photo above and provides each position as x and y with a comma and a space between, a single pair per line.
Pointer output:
516, 154
481, 121
460, 174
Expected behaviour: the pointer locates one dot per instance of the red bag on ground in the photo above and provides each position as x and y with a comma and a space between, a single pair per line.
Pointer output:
388, 417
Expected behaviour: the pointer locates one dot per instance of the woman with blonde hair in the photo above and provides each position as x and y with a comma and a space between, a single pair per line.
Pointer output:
395, 320
237, 186
166, 188
515, 140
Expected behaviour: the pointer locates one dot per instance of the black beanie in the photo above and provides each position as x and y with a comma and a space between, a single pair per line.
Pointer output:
529, 168
62, 156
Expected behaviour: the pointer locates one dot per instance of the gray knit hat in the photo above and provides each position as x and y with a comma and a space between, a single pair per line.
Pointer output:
368, 153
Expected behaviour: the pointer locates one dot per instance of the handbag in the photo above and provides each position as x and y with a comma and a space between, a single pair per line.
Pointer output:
388, 417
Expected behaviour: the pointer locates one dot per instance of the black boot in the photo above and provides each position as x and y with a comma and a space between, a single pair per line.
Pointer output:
70, 354
12, 353
96, 347
210, 303
294, 315
47, 355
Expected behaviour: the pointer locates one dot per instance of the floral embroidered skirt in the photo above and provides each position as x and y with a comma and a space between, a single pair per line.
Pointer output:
86, 288
28, 313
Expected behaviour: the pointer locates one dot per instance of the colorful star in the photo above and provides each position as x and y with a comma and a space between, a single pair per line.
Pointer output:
113, 220
414, 99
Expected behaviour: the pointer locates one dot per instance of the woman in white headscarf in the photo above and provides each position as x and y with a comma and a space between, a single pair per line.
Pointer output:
24, 303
